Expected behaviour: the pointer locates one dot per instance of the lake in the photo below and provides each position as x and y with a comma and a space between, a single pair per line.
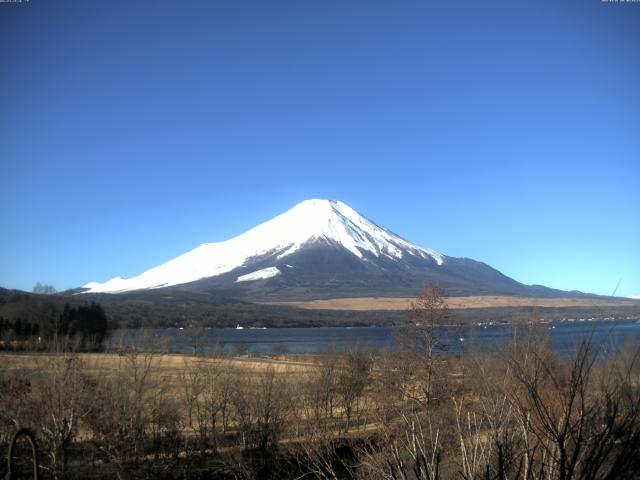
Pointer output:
565, 336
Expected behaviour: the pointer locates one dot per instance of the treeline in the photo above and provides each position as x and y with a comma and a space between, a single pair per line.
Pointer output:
32, 322
164, 308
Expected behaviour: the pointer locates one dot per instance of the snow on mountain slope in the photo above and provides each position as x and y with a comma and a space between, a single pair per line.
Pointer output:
309, 221
259, 274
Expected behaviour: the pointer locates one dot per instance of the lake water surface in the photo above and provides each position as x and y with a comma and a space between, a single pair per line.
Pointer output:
565, 336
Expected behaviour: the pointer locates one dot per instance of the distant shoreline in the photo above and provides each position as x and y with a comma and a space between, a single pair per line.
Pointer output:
362, 304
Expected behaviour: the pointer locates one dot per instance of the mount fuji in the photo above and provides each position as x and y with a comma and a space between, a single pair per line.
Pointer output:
319, 249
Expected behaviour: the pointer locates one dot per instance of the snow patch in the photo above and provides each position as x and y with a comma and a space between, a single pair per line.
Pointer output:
259, 274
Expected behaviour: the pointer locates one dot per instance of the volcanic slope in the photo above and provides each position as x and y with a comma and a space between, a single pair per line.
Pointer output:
320, 249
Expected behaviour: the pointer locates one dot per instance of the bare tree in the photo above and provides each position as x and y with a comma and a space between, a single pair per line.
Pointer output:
578, 427
196, 338
390, 384
319, 394
272, 404
192, 386
420, 339
354, 375
243, 413
241, 348
44, 289
212, 394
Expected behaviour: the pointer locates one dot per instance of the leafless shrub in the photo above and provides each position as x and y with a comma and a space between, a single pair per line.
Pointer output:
61, 400
123, 411
325, 457
15, 410
410, 450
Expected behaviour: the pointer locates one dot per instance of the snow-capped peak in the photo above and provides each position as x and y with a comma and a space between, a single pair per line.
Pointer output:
309, 221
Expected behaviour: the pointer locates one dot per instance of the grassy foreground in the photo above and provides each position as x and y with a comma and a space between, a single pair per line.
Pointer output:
522, 413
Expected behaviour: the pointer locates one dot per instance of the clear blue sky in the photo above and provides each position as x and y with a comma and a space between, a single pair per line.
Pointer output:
504, 131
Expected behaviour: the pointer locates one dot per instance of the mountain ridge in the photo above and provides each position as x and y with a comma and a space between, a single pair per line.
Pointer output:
308, 222
320, 249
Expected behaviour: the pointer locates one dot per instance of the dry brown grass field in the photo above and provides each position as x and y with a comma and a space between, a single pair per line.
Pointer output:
169, 363
167, 370
400, 304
